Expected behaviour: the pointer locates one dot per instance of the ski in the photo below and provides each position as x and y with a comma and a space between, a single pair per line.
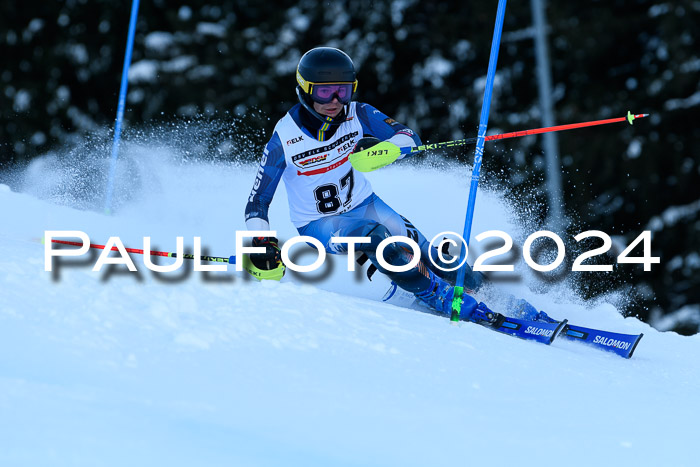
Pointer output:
620, 344
538, 331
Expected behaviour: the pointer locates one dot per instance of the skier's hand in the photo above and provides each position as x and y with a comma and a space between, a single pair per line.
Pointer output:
365, 143
271, 259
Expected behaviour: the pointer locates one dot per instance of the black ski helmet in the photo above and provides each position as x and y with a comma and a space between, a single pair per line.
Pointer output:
323, 65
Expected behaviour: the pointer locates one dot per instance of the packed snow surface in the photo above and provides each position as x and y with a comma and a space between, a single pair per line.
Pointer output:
119, 368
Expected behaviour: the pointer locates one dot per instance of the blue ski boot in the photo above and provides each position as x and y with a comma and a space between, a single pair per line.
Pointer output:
439, 294
522, 309
542, 316
483, 314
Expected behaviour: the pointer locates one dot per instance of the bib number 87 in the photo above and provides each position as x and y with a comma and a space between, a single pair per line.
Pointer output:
328, 196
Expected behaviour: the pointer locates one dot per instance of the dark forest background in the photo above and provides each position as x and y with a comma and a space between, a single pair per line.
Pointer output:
422, 62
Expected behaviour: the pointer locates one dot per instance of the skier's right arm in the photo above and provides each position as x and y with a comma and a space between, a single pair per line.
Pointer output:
272, 165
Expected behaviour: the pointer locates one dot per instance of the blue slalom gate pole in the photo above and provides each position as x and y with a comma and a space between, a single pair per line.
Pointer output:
120, 106
478, 155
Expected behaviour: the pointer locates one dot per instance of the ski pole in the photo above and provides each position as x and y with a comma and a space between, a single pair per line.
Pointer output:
246, 263
385, 153
218, 259
516, 134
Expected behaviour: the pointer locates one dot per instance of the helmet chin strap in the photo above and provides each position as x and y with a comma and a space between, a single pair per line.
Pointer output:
302, 101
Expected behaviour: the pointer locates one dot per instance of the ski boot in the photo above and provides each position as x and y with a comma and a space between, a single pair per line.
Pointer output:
522, 309
484, 315
439, 294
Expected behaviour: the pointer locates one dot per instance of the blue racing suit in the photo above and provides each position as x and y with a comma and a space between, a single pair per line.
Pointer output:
328, 198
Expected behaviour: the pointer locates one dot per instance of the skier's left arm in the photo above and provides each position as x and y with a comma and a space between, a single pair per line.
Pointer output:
375, 124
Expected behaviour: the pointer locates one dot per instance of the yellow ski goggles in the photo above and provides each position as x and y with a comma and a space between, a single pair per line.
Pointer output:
323, 93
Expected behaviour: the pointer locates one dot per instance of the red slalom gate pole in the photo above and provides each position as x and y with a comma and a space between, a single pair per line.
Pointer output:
218, 259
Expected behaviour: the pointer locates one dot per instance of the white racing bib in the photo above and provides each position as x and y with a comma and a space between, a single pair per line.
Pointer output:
319, 178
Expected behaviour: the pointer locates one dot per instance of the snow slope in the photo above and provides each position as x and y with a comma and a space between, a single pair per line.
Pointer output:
190, 368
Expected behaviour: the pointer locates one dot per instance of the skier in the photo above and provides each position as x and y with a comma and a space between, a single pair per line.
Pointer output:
328, 198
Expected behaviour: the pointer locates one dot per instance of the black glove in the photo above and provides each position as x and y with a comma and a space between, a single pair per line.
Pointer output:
365, 143
272, 257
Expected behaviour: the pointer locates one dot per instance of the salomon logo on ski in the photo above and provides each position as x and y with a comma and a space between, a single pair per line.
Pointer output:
539, 331
612, 342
